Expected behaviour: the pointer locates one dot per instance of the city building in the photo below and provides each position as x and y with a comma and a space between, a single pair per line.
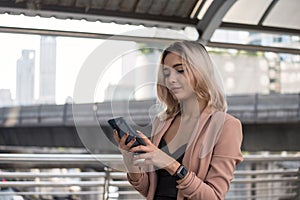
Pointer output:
47, 69
25, 78
5, 98
138, 74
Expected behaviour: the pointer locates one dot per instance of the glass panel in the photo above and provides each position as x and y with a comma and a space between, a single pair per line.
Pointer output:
22, 56
256, 38
289, 73
196, 8
238, 68
204, 9
284, 14
247, 12
273, 73
230, 36
44, 69
65, 55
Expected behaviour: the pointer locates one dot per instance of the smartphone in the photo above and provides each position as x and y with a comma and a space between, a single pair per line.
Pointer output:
122, 127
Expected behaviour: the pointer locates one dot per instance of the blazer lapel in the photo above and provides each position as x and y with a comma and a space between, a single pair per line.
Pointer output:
160, 130
195, 138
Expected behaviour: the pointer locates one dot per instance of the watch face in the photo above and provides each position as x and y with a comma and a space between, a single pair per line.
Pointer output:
182, 172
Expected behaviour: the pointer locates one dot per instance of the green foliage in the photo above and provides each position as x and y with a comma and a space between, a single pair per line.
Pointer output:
145, 48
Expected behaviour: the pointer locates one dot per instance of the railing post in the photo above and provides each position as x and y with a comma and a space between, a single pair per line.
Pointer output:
298, 183
65, 113
106, 183
39, 114
298, 112
253, 185
256, 106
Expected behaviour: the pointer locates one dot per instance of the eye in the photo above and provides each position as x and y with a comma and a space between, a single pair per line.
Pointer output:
180, 71
166, 73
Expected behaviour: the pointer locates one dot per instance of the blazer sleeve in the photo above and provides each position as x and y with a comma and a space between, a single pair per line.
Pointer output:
226, 155
143, 184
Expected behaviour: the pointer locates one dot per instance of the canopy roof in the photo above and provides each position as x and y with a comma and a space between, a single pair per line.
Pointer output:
273, 16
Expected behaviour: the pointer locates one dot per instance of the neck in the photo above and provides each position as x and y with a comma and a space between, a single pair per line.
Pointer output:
192, 107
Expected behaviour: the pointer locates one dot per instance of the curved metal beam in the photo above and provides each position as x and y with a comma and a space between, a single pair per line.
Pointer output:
213, 19
248, 47
34, 31
259, 28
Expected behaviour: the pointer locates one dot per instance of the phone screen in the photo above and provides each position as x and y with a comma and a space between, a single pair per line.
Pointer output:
122, 127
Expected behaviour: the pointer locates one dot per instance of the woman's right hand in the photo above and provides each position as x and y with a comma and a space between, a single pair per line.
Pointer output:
128, 157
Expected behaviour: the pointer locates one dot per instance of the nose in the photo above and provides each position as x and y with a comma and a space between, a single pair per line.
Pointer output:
172, 77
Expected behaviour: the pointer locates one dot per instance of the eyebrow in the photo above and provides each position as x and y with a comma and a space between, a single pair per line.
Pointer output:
176, 65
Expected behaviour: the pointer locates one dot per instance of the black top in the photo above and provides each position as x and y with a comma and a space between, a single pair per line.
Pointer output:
166, 183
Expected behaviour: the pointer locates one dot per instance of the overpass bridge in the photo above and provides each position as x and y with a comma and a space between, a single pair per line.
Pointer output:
270, 122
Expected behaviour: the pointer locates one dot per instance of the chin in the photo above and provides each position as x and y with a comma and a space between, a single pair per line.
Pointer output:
183, 97
180, 97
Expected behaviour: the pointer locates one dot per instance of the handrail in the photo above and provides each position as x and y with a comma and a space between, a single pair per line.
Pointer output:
16, 157
114, 175
50, 183
50, 175
270, 158
267, 172
60, 158
119, 183
284, 196
122, 175
8, 193
248, 108
266, 180
265, 188
98, 160
113, 158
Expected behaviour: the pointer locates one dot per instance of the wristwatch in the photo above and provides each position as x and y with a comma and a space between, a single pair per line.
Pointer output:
181, 172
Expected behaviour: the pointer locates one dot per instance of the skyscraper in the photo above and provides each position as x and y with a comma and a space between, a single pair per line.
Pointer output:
5, 98
47, 69
25, 78
138, 74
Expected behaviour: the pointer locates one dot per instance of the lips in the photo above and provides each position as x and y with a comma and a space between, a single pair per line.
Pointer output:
175, 89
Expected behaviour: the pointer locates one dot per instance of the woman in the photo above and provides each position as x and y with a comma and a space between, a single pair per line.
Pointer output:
195, 145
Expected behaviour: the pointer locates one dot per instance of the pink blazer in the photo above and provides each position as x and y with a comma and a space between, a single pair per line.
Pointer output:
212, 154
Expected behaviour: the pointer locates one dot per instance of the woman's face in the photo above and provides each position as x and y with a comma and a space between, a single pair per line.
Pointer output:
176, 79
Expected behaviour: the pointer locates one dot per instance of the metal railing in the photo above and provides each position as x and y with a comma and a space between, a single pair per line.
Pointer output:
248, 108
271, 177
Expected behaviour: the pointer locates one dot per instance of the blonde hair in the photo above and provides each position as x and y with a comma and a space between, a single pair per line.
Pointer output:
201, 73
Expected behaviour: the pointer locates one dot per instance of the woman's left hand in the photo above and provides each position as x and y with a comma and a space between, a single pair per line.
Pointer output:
154, 156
